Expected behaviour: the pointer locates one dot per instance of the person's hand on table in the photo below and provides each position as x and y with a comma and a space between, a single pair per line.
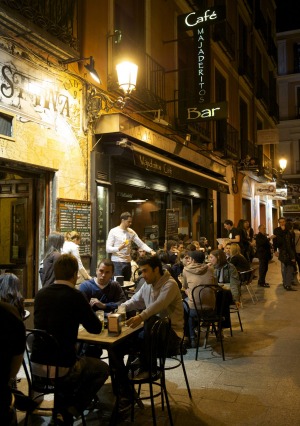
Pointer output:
134, 322
96, 302
238, 304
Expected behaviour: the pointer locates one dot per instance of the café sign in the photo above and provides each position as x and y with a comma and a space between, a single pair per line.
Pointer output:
198, 22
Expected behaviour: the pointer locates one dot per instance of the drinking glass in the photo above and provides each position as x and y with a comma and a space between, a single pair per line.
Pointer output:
100, 315
122, 312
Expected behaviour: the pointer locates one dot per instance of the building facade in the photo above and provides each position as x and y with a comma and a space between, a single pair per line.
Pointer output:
176, 153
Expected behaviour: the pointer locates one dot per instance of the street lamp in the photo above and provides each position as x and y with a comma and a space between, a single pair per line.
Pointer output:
282, 164
127, 75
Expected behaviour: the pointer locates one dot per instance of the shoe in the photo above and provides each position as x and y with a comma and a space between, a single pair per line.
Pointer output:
290, 288
266, 285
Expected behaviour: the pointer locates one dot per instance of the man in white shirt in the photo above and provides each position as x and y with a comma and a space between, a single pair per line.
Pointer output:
119, 245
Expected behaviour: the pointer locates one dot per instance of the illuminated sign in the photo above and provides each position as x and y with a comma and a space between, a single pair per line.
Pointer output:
198, 22
217, 111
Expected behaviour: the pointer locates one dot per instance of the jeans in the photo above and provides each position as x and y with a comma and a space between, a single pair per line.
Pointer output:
287, 272
82, 383
263, 269
124, 269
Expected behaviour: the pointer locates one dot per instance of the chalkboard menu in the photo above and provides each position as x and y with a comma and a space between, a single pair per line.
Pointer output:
75, 215
172, 222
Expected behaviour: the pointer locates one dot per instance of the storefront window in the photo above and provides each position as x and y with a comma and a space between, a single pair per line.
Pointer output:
148, 209
185, 215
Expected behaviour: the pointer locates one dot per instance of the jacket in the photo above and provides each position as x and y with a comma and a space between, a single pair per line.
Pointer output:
164, 300
228, 274
195, 274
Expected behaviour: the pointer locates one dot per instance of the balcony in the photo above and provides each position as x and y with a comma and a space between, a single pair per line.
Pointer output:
225, 36
266, 167
248, 149
272, 51
262, 92
246, 67
51, 27
260, 24
226, 144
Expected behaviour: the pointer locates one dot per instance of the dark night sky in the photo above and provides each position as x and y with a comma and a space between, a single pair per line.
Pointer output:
288, 15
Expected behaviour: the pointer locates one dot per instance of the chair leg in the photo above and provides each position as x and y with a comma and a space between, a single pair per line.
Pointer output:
164, 390
152, 404
240, 321
185, 376
198, 341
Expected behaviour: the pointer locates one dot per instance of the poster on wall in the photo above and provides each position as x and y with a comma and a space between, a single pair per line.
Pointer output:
172, 223
73, 215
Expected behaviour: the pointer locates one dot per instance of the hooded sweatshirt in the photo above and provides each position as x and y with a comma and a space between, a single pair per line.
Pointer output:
196, 274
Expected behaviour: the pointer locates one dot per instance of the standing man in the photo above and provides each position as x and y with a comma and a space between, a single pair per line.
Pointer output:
264, 254
59, 309
284, 242
119, 245
232, 233
102, 292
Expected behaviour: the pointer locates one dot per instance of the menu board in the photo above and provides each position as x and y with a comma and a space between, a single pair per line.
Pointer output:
75, 215
172, 222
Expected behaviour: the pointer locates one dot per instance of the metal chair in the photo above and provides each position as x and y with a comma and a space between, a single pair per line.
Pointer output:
210, 299
182, 351
43, 374
246, 278
155, 375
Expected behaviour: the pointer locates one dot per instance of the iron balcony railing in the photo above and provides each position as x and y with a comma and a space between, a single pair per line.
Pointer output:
57, 17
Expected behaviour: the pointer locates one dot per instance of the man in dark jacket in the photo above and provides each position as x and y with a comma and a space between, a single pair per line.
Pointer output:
284, 242
59, 309
264, 254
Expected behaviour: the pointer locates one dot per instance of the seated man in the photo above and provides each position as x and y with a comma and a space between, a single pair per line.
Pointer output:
11, 356
159, 295
102, 292
59, 309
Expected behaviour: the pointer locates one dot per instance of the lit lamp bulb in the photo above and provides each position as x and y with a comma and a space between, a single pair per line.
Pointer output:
127, 75
282, 163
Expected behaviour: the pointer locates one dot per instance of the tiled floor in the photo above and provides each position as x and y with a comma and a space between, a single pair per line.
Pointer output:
257, 385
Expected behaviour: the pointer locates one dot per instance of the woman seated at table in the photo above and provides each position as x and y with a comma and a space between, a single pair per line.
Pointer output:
10, 292
227, 276
196, 272
237, 259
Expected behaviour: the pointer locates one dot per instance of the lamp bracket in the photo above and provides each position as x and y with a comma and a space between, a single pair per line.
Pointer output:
97, 102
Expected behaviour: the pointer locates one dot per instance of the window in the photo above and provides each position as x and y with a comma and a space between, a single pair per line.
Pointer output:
6, 125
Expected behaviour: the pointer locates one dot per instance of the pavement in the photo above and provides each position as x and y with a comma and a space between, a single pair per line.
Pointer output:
258, 383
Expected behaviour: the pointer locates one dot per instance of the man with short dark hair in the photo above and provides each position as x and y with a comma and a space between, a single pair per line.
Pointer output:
284, 242
160, 296
118, 243
264, 255
232, 232
59, 309
102, 291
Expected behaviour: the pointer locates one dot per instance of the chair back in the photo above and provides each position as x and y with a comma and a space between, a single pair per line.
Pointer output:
209, 302
42, 354
159, 338
246, 277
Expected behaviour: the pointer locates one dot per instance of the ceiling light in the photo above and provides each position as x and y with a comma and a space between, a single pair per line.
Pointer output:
137, 201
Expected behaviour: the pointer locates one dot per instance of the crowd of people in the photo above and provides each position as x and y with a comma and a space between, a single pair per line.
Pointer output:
163, 280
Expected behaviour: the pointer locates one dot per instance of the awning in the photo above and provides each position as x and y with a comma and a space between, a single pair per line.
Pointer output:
150, 161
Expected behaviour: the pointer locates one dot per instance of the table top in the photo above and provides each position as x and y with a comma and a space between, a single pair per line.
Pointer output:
104, 338
128, 284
